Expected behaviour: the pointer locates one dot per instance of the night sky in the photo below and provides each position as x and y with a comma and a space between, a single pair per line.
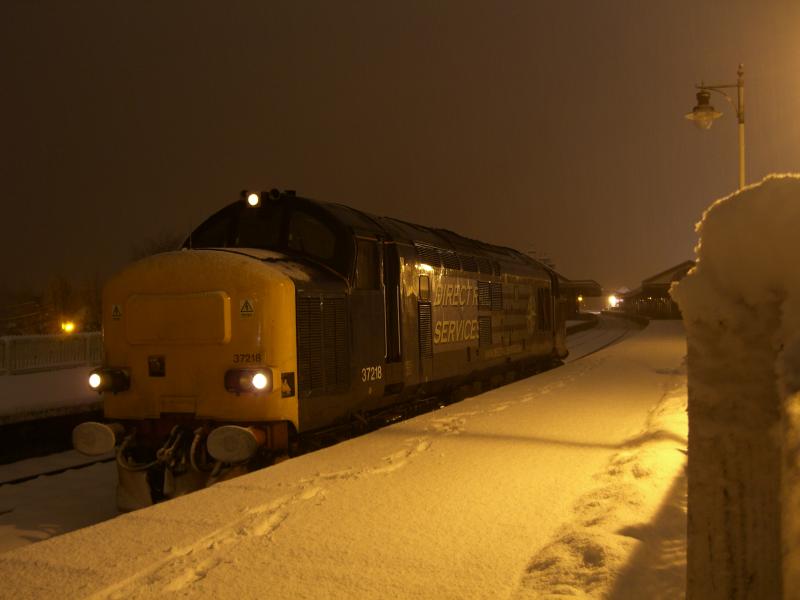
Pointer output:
555, 126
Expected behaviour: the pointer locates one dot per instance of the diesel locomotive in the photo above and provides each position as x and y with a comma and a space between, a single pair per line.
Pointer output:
281, 316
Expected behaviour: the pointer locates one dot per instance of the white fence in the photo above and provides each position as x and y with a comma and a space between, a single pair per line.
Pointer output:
30, 353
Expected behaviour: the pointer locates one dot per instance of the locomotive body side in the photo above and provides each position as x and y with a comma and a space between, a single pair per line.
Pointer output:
477, 324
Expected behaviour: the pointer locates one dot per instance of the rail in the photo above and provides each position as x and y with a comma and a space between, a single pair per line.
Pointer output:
32, 353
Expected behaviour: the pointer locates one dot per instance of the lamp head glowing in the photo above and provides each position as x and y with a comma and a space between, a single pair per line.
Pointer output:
67, 326
253, 199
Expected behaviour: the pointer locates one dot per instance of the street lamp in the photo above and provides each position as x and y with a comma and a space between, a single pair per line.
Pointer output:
704, 114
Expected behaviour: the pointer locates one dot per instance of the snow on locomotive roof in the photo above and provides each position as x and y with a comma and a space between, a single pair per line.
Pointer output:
281, 262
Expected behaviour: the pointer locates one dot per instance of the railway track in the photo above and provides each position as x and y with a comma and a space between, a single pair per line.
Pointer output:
54, 471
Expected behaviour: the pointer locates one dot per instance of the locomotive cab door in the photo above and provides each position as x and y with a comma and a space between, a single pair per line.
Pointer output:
394, 379
368, 320
425, 328
391, 299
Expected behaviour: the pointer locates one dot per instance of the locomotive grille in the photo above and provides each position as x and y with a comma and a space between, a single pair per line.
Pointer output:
484, 294
425, 331
336, 367
497, 296
309, 344
485, 265
484, 331
469, 264
321, 344
450, 259
428, 254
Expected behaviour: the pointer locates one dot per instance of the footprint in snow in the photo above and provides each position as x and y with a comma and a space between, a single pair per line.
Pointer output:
449, 426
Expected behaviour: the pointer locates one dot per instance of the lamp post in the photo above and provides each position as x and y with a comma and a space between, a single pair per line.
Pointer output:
704, 114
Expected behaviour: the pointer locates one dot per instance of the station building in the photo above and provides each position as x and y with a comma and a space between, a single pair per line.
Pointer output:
652, 298
574, 293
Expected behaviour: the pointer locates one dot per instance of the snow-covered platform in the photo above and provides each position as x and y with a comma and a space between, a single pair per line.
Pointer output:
49, 394
570, 482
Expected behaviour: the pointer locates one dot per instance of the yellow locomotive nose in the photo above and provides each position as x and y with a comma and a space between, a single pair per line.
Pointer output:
202, 334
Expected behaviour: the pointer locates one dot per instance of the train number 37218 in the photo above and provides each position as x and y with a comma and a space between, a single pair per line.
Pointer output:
372, 373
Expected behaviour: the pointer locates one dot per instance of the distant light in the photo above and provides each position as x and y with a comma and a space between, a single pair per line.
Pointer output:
68, 327
259, 381
613, 301
426, 268
253, 199
580, 298
95, 380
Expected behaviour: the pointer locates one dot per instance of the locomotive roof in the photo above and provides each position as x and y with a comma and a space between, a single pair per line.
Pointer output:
437, 247
366, 224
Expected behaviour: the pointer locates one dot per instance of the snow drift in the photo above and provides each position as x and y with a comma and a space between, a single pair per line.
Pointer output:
741, 307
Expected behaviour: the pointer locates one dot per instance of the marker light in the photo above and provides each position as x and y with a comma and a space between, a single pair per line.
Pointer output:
253, 199
248, 380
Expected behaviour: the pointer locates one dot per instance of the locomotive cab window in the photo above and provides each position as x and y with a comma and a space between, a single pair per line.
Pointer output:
367, 265
424, 288
238, 228
260, 227
310, 236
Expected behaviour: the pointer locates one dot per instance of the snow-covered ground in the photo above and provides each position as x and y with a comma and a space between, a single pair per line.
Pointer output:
570, 483
48, 394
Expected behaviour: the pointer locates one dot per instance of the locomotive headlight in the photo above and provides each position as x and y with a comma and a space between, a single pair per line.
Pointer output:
109, 380
253, 199
259, 381
249, 380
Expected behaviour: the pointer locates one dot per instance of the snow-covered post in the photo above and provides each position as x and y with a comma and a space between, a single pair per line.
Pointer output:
741, 307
